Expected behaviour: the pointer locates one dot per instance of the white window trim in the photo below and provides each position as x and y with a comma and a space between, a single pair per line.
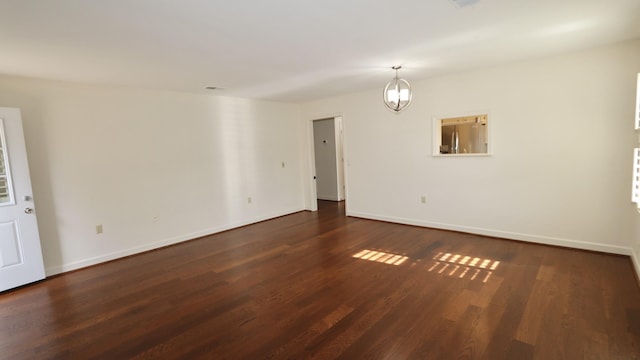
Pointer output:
635, 190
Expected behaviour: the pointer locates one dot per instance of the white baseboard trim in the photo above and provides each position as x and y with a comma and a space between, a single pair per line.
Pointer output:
330, 198
54, 270
539, 239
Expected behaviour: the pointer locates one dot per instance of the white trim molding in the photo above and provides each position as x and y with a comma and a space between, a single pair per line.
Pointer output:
54, 270
538, 239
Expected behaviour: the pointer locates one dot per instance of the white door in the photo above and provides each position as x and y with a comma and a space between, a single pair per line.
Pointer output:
20, 253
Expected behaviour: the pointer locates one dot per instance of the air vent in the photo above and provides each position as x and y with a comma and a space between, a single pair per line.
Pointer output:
464, 3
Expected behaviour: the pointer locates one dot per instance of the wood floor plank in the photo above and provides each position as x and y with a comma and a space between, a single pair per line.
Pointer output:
325, 286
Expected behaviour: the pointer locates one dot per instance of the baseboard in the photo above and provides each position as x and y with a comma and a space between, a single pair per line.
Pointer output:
539, 239
54, 270
330, 198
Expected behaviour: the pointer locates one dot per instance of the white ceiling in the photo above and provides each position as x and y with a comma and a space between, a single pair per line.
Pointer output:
292, 50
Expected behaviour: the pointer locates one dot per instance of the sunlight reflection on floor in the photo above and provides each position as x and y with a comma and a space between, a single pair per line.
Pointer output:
381, 257
474, 264
454, 265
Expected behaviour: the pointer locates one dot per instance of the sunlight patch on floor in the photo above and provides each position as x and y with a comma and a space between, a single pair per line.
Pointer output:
381, 257
449, 264
453, 265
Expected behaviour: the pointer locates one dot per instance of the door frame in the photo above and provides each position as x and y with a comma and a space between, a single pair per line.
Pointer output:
341, 159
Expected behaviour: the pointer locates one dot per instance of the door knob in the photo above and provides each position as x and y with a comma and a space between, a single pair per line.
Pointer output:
28, 210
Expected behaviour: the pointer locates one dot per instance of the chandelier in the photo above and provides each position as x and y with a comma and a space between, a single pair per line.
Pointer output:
397, 93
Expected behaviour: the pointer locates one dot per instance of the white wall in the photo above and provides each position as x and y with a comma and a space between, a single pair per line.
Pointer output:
153, 168
324, 139
562, 132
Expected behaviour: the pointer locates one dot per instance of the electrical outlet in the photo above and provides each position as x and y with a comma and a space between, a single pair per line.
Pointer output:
155, 219
99, 229
423, 199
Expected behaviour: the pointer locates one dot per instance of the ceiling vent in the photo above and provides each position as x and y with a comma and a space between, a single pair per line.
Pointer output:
464, 3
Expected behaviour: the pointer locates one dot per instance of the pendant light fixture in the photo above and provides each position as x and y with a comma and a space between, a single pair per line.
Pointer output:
397, 93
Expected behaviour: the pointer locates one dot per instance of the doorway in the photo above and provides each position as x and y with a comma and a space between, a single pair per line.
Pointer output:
329, 159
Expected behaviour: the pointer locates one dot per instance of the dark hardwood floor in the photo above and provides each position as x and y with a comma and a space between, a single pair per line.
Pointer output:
292, 288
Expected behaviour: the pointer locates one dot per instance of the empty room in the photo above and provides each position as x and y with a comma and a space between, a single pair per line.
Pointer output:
445, 179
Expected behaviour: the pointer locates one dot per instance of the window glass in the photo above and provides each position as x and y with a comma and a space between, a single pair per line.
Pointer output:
5, 181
